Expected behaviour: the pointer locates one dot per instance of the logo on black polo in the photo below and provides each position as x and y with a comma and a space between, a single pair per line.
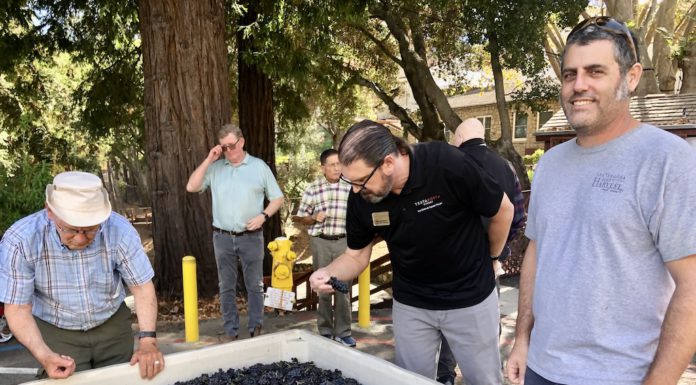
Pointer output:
428, 203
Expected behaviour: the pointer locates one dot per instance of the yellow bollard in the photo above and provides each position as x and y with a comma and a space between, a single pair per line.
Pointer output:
364, 298
188, 267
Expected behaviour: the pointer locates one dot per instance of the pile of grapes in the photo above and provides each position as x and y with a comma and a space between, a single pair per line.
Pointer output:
277, 373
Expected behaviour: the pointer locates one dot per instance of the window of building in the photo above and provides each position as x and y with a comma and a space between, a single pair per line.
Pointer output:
486, 121
543, 117
520, 125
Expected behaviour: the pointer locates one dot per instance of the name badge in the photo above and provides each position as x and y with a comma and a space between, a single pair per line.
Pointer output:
380, 218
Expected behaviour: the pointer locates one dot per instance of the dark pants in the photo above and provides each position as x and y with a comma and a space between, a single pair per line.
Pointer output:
531, 378
107, 344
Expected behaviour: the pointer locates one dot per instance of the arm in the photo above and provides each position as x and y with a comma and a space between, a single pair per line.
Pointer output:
310, 219
147, 354
517, 362
500, 226
196, 179
24, 327
270, 210
678, 336
346, 267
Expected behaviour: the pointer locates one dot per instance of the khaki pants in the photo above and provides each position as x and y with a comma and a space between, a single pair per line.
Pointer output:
107, 344
331, 319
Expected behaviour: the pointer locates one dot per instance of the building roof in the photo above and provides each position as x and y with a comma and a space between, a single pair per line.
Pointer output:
666, 111
477, 97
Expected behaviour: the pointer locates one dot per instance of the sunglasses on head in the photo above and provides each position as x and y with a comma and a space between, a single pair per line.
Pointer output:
608, 24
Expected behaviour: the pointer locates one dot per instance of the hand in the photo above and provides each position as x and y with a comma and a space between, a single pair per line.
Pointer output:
498, 269
517, 363
150, 358
320, 216
318, 281
214, 153
256, 222
58, 365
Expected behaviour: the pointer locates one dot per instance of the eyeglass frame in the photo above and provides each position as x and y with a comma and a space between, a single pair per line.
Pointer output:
362, 185
622, 30
231, 146
72, 233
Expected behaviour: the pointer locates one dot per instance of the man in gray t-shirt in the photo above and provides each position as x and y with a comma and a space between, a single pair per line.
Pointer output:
606, 293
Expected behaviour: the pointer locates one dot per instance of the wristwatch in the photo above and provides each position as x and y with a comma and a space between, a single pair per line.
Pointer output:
147, 334
494, 258
265, 216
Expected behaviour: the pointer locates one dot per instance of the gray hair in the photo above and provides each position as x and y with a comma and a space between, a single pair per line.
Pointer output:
370, 142
623, 54
230, 129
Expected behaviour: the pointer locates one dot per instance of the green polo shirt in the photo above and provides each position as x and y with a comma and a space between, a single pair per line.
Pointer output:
238, 191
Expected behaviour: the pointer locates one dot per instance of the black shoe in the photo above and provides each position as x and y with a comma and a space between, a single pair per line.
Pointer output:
447, 379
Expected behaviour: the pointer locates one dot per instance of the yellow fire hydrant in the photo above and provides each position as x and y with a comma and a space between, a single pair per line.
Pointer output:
283, 260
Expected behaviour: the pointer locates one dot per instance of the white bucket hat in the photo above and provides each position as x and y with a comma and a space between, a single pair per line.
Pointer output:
78, 198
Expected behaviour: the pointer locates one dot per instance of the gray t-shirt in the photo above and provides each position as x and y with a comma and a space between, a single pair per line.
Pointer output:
605, 221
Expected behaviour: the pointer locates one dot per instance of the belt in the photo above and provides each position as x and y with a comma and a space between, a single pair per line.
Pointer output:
234, 233
331, 237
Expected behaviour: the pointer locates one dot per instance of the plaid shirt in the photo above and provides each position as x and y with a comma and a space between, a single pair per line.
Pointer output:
71, 289
520, 217
330, 197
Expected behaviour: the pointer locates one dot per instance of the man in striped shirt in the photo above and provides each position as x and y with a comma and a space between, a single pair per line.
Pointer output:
323, 208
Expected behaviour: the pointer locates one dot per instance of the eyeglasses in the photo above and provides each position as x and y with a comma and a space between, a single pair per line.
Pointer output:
71, 232
231, 146
362, 185
608, 24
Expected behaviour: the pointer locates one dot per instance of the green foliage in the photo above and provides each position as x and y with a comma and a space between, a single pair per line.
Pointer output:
22, 190
530, 162
536, 94
297, 162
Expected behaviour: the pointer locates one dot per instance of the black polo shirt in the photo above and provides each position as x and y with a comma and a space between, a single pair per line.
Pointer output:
439, 249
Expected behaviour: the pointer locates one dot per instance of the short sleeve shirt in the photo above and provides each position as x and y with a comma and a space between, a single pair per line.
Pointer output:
71, 289
331, 198
439, 249
238, 191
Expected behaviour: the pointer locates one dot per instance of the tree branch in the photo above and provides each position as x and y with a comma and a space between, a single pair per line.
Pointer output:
379, 43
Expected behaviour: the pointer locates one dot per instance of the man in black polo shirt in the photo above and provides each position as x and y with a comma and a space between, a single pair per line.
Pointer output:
469, 138
426, 202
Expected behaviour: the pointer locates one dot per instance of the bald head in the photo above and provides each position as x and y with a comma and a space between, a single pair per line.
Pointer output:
468, 129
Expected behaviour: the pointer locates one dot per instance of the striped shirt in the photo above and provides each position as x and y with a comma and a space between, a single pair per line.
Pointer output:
330, 197
71, 289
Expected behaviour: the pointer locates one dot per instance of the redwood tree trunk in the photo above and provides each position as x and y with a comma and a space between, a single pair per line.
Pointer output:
256, 118
186, 100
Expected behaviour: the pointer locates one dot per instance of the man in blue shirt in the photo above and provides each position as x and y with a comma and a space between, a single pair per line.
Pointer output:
238, 183
66, 266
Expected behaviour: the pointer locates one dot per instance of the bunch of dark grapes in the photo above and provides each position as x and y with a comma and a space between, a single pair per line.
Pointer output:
277, 373
337, 285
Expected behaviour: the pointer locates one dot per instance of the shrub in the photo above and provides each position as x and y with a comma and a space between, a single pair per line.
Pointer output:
22, 190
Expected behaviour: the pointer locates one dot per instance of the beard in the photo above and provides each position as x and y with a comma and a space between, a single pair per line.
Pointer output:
378, 196
600, 121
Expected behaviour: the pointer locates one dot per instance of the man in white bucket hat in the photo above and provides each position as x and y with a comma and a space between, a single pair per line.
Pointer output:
62, 272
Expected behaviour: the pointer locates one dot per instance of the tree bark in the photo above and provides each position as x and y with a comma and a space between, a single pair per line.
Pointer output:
186, 100
434, 106
620, 9
553, 37
256, 118
662, 60
504, 145
688, 67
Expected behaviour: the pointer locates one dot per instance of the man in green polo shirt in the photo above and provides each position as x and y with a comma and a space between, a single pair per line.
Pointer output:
238, 183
